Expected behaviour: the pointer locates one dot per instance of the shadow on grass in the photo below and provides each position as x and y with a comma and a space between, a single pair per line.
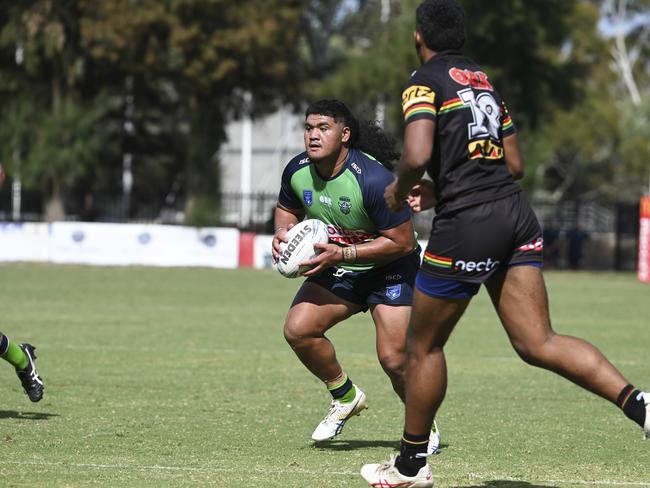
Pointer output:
12, 414
502, 484
352, 445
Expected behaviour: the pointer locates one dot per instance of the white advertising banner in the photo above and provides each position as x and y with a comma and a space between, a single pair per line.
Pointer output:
143, 244
24, 241
262, 257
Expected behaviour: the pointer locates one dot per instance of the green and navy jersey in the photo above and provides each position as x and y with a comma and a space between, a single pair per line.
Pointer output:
351, 202
468, 165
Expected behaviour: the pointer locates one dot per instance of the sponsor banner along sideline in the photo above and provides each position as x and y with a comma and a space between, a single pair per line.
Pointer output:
120, 244
262, 257
643, 268
24, 241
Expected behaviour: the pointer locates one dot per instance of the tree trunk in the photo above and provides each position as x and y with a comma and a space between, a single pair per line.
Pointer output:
54, 205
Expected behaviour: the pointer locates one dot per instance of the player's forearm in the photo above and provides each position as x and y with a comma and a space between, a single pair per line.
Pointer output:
418, 147
284, 218
381, 249
409, 174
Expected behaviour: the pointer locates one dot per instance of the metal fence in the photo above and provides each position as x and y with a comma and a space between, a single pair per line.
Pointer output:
578, 235
589, 235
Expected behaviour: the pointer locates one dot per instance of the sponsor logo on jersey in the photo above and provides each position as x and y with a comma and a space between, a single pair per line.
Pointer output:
345, 205
460, 264
536, 245
484, 149
475, 266
418, 100
356, 168
475, 79
393, 291
340, 235
325, 200
308, 197
393, 277
417, 94
303, 161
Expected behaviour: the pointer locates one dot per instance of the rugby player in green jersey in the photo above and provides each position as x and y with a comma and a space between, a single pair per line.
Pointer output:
369, 263
21, 356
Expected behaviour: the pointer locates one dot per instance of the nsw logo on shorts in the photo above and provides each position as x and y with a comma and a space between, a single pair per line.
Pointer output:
393, 292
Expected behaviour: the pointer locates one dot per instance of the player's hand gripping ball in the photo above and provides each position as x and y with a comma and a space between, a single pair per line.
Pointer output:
300, 246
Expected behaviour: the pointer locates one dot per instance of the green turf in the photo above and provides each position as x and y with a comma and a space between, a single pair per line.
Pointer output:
181, 377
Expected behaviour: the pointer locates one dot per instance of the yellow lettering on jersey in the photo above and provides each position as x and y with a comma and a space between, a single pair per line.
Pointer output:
417, 94
485, 149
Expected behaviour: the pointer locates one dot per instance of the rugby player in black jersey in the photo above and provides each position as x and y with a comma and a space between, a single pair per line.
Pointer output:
484, 232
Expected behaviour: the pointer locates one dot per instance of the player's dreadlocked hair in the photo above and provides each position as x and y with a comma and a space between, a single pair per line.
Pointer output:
365, 135
441, 24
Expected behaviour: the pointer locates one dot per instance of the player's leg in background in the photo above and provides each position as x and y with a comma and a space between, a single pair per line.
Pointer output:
391, 323
520, 299
23, 358
12, 353
432, 321
313, 312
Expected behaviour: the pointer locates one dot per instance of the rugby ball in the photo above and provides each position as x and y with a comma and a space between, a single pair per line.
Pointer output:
300, 246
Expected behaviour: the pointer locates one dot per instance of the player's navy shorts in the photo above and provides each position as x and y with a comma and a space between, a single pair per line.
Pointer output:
471, 244
391, 284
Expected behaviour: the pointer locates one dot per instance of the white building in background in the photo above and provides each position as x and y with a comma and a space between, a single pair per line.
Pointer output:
251, 162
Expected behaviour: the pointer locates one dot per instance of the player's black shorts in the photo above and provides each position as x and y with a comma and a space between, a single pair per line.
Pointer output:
391, 284
473, 243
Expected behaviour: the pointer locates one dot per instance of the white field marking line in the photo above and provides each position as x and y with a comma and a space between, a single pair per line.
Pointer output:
175, 468
475, 476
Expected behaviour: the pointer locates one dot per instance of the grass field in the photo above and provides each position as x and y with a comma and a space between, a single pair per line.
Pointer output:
181, 377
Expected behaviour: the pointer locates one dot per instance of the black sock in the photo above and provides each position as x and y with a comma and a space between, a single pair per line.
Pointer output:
630, 400
340, 391
4, 344
412, 454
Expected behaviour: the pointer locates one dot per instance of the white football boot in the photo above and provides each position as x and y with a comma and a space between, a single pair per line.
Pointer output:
434, 440
386, 475
339, 413
646, 427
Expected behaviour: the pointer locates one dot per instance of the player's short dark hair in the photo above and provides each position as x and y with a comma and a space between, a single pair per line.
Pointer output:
339, 111
441, 23
366, 136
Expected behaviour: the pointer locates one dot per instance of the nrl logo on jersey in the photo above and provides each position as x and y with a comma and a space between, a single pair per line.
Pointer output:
308, 197
345, 205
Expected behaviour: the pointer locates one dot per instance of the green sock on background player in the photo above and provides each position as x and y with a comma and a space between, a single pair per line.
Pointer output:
343, 390
12, 353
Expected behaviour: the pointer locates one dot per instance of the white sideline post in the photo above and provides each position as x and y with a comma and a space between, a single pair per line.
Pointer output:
246, 159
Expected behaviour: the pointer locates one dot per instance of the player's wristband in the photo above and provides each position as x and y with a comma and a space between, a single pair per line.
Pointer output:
350, 254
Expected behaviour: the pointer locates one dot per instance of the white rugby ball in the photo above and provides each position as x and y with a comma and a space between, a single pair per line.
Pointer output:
300, 246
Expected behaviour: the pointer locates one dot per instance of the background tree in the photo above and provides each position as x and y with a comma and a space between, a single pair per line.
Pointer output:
51, 134
154, 80
193, 62
626, 25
